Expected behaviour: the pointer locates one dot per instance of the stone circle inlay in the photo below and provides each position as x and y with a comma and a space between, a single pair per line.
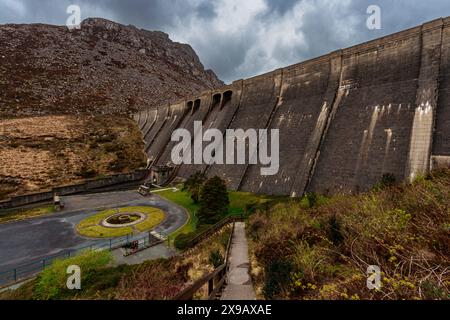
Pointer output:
123, 219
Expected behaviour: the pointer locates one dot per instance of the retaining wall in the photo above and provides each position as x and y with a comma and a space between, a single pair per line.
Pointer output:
88, 186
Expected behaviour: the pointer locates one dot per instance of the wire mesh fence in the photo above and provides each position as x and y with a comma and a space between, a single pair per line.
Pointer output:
28, 270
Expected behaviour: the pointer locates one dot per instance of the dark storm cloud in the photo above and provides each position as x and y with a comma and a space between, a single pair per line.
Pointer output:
238, 38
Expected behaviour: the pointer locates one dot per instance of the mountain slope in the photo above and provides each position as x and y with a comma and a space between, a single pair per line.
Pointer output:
103, 68
65, 97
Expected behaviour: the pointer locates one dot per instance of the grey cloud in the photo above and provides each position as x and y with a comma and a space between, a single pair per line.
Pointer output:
281, 6
257, 46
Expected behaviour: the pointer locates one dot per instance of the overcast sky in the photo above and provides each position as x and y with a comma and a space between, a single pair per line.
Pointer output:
242, 38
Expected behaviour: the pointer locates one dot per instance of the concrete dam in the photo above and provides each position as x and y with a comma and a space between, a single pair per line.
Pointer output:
345, 119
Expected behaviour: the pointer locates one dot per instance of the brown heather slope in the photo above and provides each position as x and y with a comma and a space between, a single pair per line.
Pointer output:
103, 68
66, 97
320, 248
38, 153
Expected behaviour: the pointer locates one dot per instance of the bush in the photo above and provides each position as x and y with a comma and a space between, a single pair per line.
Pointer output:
182, 240
277, 277
154, 280
86, 172
313, 200
216, 258
387, 180
334, 230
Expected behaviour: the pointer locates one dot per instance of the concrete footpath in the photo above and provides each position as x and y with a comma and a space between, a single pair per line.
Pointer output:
239, 284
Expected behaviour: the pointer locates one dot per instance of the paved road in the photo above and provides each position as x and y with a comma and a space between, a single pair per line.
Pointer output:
239, 284
27, 241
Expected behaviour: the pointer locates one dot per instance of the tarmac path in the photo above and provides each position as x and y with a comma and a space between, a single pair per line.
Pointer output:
27, 241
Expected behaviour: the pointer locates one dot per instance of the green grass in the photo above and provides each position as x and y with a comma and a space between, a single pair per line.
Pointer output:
101, 279
91, 228
183, 199
102, 232
154, 218
24, 214
51, 283
239, 201
238, 204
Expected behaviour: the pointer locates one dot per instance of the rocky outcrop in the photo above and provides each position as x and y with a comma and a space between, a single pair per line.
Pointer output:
103, 68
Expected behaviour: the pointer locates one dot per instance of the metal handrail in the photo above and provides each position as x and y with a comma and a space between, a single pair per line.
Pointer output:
210, 231
215, 279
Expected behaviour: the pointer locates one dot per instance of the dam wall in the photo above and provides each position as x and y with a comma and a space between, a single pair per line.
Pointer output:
441, 142
345, 119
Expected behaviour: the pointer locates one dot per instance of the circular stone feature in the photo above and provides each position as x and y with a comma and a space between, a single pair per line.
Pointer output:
121, 220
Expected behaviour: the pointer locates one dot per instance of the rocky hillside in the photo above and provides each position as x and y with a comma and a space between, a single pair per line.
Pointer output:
103, 68
38, 153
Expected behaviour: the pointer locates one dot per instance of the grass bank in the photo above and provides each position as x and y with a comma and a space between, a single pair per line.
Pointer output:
240, 202
101, 279
324, 252
23, 214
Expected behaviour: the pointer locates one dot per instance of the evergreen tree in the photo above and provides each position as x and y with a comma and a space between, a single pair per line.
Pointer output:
214, 201
194, 184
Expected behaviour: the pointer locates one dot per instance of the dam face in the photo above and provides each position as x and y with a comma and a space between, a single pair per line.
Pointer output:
345, 119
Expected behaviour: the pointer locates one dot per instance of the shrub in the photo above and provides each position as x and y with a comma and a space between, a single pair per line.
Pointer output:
387, 180
182, 240
154, 280
216, 258
312, 200
432, 291
277, 278
86, 172
334, 230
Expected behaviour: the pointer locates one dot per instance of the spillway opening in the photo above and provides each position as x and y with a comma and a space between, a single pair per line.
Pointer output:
196, 106
226, 99
189, 106
216, 100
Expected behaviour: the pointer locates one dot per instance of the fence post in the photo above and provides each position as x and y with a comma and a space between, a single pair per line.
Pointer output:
43, 264
110, 244
210, 286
